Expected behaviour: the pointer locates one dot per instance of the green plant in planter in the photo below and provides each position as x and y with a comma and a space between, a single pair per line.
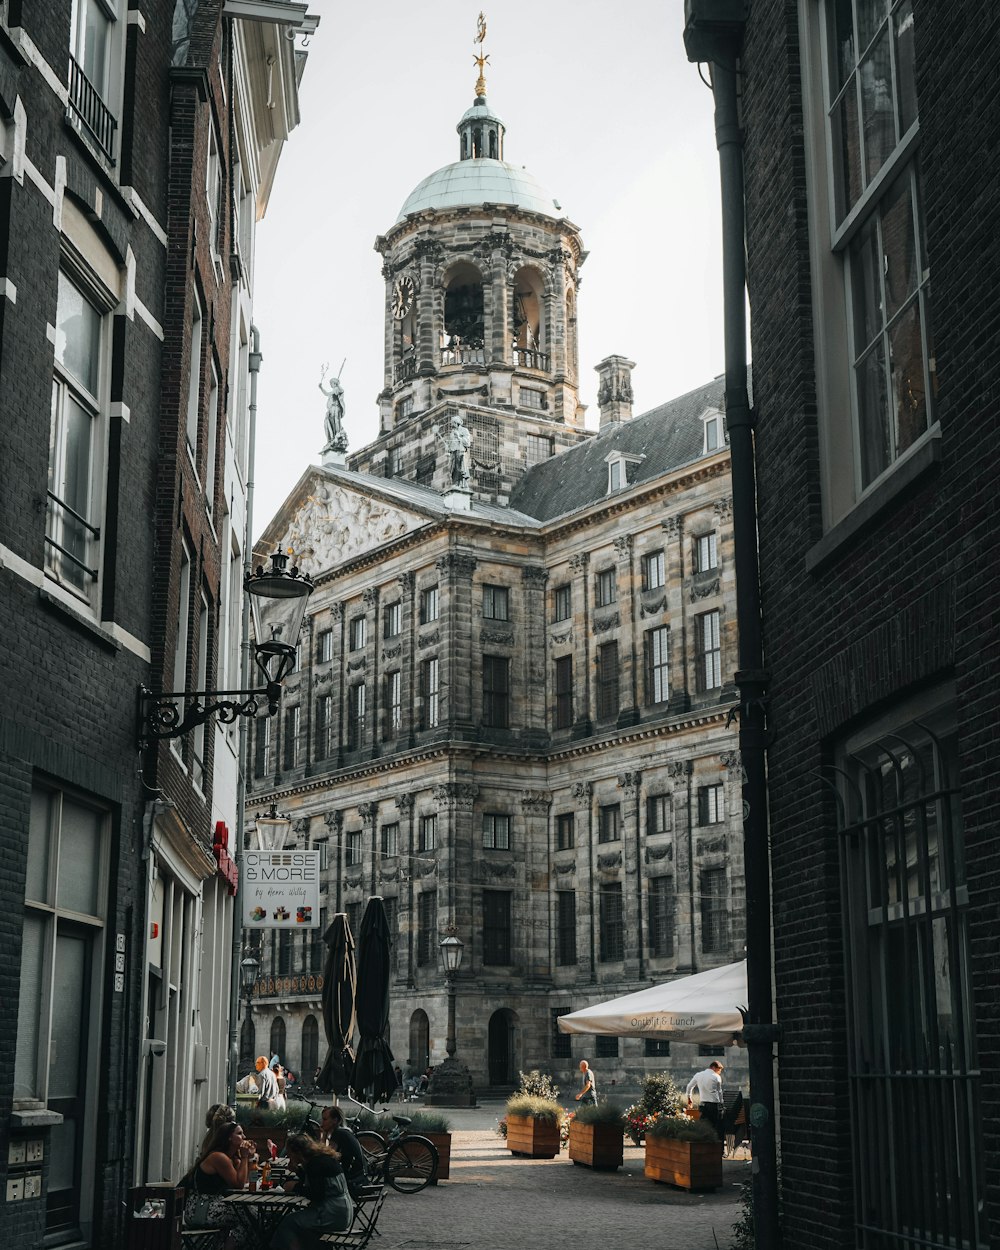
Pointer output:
269, 1117
538, 1084
601, 1113
680, 1128
534, 1108
372, 1122
428, 1122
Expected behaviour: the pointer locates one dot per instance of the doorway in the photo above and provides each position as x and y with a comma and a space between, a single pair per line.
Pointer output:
500, 1042
420, 1043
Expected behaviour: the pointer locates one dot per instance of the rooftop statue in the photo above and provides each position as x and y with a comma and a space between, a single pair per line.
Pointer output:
457, 443
336, 435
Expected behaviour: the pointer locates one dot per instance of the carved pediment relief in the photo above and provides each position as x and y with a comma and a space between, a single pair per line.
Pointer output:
335, 523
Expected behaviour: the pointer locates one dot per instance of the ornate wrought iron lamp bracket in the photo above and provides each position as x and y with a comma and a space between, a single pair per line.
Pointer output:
172, 714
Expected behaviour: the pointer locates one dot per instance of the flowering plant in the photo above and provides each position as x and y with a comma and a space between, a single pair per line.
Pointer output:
637, 1120
501, 1128
564, 1124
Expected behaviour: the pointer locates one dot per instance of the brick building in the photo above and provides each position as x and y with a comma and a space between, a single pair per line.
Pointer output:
510, 712
873, 262
137, 150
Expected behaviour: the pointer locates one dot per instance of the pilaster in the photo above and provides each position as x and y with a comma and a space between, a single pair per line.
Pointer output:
630, 784
535, 808
579, 567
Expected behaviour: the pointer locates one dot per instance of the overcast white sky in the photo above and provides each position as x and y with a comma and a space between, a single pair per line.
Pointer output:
600, 105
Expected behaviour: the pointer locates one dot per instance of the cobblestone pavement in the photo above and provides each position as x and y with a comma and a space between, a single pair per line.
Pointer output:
495, 1200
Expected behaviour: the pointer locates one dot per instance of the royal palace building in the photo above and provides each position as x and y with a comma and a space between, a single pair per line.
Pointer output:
510, 715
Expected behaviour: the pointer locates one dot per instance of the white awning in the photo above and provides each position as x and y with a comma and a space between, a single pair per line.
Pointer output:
703, 1008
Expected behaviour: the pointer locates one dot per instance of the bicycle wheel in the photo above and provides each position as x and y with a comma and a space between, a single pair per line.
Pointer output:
373, 1148
411, 1164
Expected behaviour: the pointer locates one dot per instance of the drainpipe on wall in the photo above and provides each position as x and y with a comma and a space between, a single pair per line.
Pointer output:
237, 851
713, 32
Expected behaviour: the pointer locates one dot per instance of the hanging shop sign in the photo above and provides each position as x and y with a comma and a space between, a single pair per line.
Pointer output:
280, 889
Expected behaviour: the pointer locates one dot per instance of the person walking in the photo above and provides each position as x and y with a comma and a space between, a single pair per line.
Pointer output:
708, 1083
588, 1086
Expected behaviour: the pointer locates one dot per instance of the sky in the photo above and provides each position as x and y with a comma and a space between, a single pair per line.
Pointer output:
600, 105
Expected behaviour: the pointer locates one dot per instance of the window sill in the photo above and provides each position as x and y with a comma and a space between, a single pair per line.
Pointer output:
55, 603
34, 1118
871, 507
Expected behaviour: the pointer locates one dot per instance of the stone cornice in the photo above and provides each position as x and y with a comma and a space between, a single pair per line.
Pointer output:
458, 751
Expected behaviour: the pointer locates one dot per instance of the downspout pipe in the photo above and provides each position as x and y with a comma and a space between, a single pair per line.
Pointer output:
721, 45
244, 739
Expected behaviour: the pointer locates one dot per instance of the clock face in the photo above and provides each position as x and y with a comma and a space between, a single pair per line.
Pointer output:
402, 297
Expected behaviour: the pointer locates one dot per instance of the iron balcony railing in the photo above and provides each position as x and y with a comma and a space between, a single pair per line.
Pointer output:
77, 534
407, 368
87, 105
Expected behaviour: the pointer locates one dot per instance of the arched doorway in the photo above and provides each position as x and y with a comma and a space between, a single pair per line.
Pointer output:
310, 1049
420, 1042
500, 1043
278, 1038
248, 1043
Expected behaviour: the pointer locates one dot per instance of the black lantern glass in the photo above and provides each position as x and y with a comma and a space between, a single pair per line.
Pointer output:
278, 598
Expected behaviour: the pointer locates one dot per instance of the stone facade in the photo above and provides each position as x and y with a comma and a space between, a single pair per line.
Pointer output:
506, 721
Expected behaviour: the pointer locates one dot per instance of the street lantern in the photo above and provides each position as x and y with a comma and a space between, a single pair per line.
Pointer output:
278, 598
271, 830
249, 967
450, 1083
451, 948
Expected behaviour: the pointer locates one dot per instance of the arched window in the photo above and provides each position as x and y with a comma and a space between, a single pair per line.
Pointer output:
464, 326
277, 1037
493, 145
529, 320
420, 1047
310, 1048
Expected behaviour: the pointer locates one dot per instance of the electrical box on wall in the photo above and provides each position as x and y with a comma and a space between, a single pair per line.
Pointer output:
15, 1152
34, 1150
33, 1185
15, 1190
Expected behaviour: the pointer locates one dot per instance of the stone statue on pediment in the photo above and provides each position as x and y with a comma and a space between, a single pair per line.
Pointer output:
336, 435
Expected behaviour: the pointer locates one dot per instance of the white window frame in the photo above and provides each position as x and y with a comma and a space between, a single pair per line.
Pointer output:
47, 912
713, 432
62, 527
357, 633
840, 448
427, 832
706, 552
192, 421
496, 831
430, 605
654, 570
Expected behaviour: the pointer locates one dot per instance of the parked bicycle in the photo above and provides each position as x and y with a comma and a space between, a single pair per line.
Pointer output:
406, 1161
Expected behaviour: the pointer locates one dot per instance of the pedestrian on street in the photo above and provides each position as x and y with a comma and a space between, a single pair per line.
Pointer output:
588, 1086
708, 1083
267, 1084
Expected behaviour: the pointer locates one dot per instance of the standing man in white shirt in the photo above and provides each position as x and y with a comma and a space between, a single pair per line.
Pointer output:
708, 1083
588, 1086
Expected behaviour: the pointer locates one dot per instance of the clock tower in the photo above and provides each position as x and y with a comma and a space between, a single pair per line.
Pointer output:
481, 272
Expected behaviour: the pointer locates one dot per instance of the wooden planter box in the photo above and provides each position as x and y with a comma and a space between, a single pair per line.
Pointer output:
443, 1143
598, 1146
686, 1164
259, 1135
538, 1139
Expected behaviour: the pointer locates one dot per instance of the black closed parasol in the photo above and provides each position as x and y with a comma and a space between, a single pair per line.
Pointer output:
339, 990
373, 1070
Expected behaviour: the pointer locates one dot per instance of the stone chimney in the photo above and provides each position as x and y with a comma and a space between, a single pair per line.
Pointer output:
614, 393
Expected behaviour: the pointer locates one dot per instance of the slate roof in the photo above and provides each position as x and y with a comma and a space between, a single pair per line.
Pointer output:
426, 498
669, 437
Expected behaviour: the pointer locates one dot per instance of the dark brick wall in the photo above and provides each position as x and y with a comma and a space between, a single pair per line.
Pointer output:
911, 599
69, 715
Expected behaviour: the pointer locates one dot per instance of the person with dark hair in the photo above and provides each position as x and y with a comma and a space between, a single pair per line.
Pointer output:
223, 1164
708, 1084
217, 1114
322, 1181
352, 1159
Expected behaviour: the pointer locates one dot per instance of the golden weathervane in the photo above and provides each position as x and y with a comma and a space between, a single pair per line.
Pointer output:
481, 60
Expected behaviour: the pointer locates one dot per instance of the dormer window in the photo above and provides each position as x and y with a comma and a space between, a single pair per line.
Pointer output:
621, 470
715, 431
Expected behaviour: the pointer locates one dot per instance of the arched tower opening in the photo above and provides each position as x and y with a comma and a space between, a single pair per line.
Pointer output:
528, 319
464, 315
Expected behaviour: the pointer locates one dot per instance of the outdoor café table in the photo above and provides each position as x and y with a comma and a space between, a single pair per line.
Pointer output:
261, 1213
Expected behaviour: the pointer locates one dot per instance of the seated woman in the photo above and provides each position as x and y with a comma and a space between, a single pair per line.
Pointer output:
218, 1113
330, 1208
223, 1164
